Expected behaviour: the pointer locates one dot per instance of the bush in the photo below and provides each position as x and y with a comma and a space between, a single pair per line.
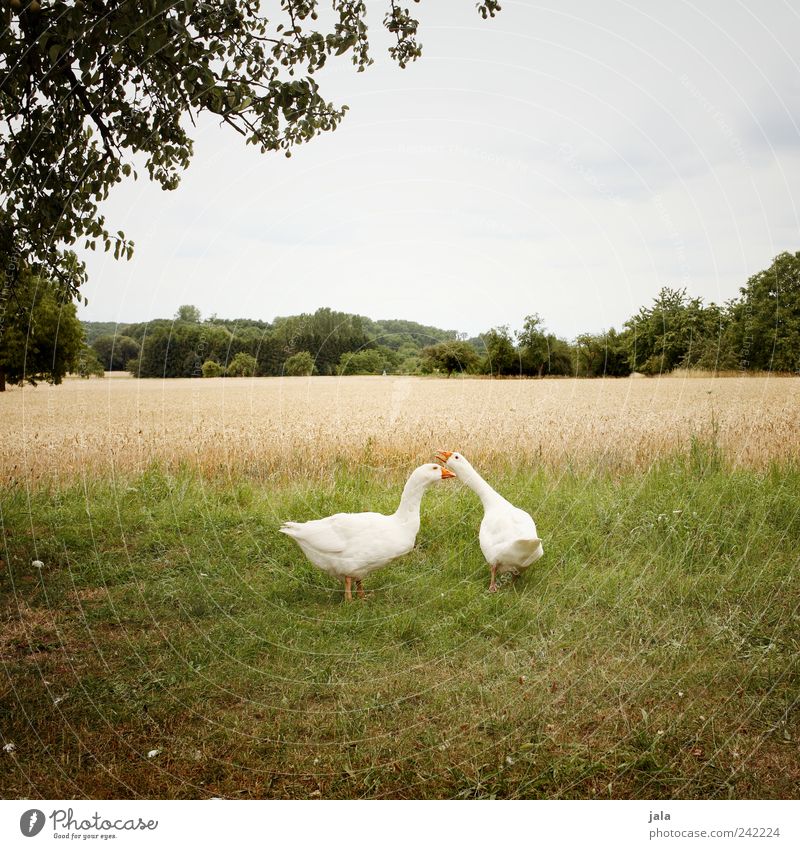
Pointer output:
212, 369
242, 365
88, 363
300, 364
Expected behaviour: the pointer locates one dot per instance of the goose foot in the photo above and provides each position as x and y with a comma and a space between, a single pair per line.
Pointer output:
348, 593
493, 584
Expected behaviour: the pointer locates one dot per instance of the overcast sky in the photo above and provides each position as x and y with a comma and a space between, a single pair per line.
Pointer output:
568, 161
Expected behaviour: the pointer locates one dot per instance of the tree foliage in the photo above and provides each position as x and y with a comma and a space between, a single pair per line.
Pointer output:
300, 364
602, 355
88, 363
501, 355
765, 328
242, 365
673, 332
115, 351
188, 312
90, 88
450, 356
40, 335
211, 368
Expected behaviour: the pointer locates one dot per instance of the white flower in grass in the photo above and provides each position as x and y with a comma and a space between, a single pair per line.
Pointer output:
10, 748
153, 753
37, 564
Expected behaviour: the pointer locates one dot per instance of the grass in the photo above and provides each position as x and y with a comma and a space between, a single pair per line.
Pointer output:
654, 652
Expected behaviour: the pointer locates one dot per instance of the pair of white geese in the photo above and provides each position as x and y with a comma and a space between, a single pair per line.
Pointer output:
351, 545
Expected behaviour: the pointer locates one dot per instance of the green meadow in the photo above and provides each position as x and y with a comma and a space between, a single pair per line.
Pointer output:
174, 645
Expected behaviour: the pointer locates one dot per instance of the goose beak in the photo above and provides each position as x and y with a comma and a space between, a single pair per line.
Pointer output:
443, 456
446, 473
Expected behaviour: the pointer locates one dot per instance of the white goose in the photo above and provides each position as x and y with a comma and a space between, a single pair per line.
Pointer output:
351, 545
508, 537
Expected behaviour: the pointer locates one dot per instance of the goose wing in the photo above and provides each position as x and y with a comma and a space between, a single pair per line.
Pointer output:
325, 535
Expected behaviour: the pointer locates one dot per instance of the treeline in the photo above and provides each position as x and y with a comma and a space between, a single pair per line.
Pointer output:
759, 330
324, 342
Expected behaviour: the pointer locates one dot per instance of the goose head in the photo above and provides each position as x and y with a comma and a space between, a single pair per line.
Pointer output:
454, 460
432, 473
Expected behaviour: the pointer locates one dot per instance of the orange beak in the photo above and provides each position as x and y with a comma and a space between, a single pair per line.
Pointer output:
446, 473
443, 456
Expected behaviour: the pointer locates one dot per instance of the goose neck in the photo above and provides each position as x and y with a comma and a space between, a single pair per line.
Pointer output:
479, 486
411, 499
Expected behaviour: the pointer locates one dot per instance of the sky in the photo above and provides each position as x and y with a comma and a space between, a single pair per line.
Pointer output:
567, 159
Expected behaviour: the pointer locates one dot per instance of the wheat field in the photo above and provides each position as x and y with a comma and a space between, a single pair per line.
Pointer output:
287, 427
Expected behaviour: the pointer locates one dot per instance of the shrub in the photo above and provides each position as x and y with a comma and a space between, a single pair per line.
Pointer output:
300, 364
242, 365
88, 363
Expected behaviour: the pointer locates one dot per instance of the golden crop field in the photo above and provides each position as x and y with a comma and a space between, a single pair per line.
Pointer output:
307, 426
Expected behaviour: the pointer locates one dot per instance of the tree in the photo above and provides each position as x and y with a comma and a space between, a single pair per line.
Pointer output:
167, 351
678, 331
87, 90
602, 355
450, 356
327, 333
114, 351
501, 356
40, 335
561, 356
188, 312
366, 361
661, 337
300, 364
242, 365
533, 348
765, 330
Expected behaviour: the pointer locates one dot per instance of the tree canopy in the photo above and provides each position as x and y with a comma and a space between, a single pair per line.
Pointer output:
85, 87
765, 326
41, 337
453, 355
115, 351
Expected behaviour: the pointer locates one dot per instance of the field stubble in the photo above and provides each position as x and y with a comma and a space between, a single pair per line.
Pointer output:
285, 426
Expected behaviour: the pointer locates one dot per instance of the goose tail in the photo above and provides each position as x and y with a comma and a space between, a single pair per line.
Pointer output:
290, 528
524, 551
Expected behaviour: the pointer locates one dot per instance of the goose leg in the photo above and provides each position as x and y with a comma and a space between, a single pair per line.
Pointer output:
348, 595
493, 584
360, 589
